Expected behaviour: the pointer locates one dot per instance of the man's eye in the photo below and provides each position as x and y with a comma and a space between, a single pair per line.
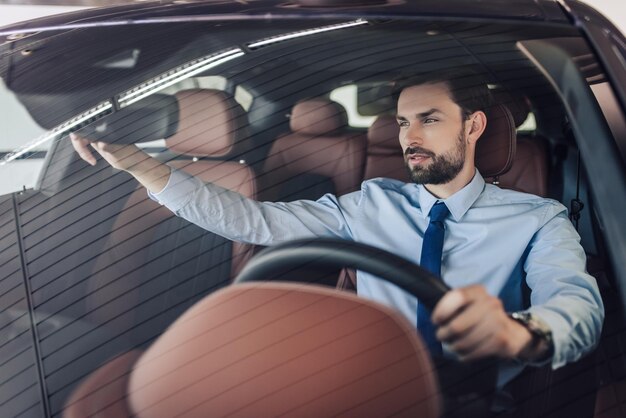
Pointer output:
430, 120
403, 123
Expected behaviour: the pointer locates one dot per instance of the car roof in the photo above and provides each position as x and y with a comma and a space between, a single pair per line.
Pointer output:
150, 12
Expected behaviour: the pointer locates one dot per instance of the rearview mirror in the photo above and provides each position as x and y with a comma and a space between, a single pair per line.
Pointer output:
150, 119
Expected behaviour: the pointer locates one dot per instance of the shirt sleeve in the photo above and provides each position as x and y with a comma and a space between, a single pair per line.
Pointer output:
238, 218
562, 293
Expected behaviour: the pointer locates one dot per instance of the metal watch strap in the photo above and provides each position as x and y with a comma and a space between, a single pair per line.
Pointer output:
540, 331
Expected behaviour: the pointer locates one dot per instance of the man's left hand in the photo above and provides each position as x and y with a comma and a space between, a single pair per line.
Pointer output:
474, 325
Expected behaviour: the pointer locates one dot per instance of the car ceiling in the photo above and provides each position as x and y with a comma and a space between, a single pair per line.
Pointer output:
73, 69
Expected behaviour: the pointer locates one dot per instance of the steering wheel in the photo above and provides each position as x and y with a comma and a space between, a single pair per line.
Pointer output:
459, 382
338, 253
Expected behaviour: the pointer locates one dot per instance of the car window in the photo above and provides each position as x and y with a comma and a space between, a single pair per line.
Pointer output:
529, 125
347, 96
22, 150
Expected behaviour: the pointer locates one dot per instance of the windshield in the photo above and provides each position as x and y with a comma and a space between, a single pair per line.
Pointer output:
277, 111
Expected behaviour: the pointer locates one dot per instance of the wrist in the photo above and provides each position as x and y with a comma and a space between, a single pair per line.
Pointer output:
137, 163
151, 173
537, 345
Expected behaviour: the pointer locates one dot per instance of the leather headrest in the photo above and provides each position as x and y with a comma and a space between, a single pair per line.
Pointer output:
495, 149
211, 124
285, 350
517, 105
382, 136
317, 117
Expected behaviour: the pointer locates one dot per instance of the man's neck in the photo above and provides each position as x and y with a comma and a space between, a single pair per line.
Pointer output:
443, 191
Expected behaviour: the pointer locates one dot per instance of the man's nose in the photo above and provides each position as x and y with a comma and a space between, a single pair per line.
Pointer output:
413, 136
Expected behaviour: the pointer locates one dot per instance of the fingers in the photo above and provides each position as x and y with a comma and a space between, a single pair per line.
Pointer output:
473, 342
453, 303
464, 323
120, 156
473, 324
81, 146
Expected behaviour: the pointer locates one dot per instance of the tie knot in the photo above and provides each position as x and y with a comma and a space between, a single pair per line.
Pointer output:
439, 212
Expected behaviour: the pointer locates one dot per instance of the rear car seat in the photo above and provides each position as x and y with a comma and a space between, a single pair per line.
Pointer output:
318, 156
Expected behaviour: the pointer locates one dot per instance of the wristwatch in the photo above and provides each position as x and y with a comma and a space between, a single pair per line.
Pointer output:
539, 330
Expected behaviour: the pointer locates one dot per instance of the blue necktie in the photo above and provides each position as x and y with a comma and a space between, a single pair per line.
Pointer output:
431, 261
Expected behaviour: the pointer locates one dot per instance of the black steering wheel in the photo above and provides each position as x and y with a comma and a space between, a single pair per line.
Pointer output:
422, 284
459, 382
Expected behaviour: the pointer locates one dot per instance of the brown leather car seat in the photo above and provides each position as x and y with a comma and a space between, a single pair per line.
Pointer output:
268, 350
154, 265
318, 156
384, 153
496, 149
213, 125
529, 172
211, 129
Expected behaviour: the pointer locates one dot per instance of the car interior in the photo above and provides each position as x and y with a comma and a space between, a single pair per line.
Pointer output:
116, 281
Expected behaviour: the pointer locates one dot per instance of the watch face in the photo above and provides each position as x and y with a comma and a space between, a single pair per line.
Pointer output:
522, 316
534, 324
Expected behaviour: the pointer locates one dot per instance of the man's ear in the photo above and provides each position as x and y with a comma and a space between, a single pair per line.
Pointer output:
475, 125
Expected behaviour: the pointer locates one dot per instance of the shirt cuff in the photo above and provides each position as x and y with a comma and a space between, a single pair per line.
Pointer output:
559, 327
178, 190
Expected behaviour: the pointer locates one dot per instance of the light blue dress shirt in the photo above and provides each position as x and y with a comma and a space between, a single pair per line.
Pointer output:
494, 237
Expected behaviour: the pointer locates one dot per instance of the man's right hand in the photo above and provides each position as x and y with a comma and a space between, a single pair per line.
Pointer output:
122, 157
150, 172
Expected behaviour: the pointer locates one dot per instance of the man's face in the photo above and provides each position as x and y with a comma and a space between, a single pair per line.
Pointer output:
431, 133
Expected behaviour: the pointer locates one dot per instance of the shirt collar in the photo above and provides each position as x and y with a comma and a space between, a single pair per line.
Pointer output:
459, 203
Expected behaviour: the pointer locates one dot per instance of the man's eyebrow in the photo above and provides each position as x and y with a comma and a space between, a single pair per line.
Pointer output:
421, 115
428, 112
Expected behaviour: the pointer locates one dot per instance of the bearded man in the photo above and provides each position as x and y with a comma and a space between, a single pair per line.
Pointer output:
494, 241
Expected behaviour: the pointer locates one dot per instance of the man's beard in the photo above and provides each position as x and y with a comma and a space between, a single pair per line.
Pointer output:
442, 169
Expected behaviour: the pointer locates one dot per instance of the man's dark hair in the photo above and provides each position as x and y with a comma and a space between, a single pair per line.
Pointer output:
468, 88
